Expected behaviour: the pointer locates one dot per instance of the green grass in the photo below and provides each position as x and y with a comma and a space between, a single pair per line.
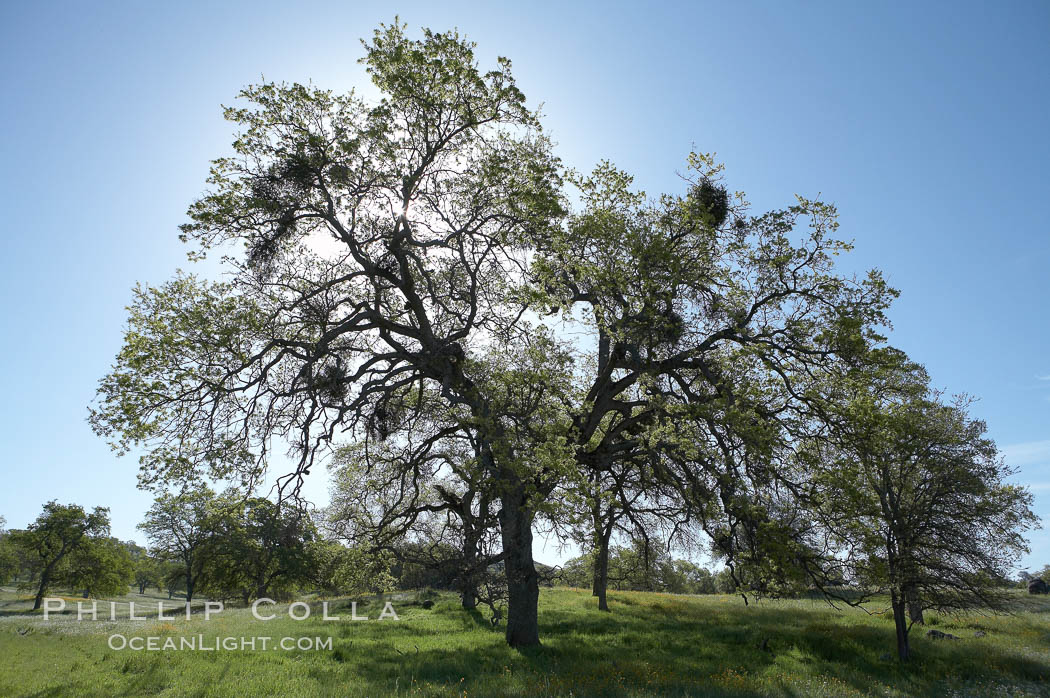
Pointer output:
651, 644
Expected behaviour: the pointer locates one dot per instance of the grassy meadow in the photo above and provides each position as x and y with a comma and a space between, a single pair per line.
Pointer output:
650, 645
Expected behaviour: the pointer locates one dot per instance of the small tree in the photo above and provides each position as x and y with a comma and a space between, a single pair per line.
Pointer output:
59, 532
148, 573
917, 495
173, 578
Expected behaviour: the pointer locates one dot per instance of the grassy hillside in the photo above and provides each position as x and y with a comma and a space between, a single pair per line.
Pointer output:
651, 644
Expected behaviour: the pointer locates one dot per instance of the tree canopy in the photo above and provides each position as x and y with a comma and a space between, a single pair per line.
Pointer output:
58, 536
913, 495
413, 293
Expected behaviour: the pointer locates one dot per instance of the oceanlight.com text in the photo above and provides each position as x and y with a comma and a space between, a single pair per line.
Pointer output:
199, 643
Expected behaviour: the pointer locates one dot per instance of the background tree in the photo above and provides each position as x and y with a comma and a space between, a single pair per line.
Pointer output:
338, 569
148, 572
102, 567
629, 570
173, 578
59, 532
1042, 573
257, 549
8, 556
364, 571
725, 583
916, 494
419, 495
179, 528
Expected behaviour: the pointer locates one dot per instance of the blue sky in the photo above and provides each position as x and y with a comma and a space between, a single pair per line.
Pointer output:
927, 126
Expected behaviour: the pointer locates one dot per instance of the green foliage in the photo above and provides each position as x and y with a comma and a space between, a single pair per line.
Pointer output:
256, 549
8, 560
354, 571
1043, 573
103, 567
362, 572
914, 493
60, 534
179, 528
148, 572
8, 554
631, 570
724, 582
230, 546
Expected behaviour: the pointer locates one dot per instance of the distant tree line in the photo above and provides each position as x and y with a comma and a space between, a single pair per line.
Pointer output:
634, 568
201, 544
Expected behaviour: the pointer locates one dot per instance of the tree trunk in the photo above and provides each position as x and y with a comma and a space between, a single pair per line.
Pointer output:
596, 524
912, 596
601, 570
603, 591
523, 587
189, 585
901, 622
469, 599
262, 590
469, 584
45, 580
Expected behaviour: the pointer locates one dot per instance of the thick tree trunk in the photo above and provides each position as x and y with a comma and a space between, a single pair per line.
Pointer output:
523, 587
601, 569
901, 623
914, 599
469, 583
603, 591
470, 599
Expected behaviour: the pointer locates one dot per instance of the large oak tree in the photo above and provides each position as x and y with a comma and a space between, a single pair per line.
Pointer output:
382, 256
380, 241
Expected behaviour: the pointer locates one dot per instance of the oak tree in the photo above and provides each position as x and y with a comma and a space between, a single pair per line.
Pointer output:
58, 533
915, 494
370, 247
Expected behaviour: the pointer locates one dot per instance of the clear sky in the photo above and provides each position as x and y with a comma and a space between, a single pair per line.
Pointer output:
927, 126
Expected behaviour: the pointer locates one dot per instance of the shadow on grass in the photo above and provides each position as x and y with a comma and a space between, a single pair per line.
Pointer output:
673, 647
650, 645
